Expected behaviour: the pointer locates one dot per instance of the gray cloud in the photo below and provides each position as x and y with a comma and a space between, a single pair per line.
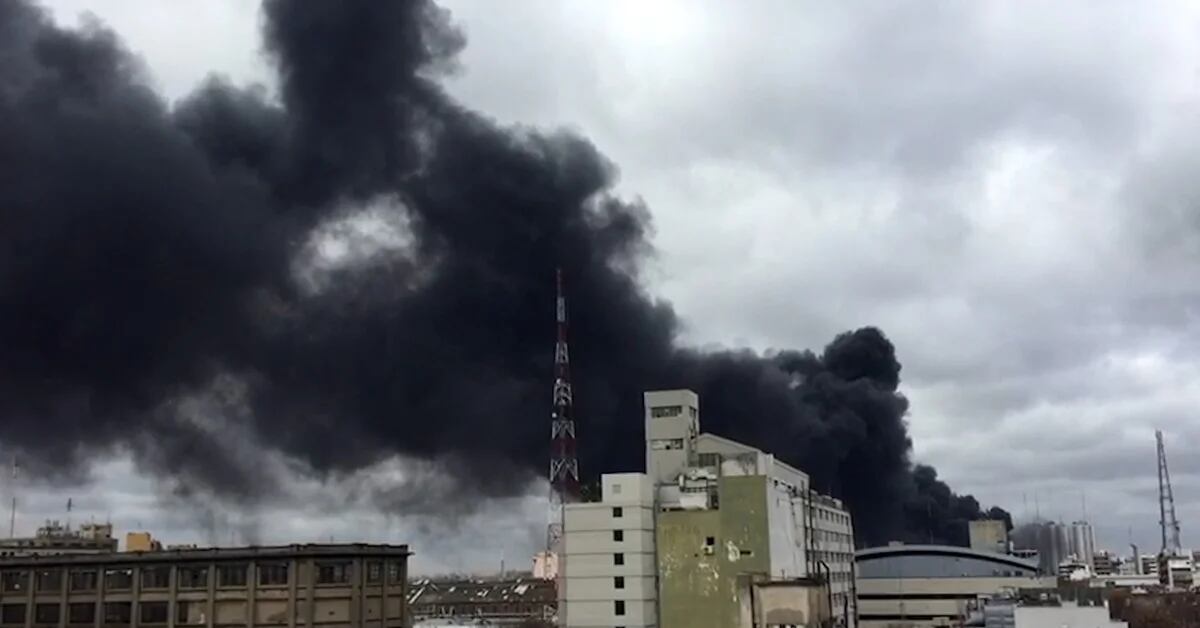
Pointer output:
1008, 195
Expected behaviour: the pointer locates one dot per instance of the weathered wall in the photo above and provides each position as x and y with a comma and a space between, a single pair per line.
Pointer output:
698, 585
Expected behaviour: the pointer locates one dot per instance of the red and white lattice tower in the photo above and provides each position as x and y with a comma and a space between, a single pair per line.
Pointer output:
564, 465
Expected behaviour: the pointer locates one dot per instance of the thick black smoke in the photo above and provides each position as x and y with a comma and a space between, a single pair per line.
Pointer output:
167, 283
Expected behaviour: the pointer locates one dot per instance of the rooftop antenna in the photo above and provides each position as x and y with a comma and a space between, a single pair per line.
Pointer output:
1083, 500
12, 516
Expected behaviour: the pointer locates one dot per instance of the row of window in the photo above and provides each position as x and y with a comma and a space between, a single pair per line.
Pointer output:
830, 515
113, 613
832, 537
188, 576
660, 412
834, 557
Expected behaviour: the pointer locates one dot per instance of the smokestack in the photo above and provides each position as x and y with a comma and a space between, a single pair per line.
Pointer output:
167, 292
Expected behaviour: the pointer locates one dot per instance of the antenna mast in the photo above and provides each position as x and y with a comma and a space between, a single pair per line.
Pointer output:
564, 465
1169, 524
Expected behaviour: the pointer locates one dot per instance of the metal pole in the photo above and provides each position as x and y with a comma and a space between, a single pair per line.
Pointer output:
828, 585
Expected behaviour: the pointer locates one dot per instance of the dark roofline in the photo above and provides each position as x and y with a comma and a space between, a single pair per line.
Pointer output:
274, 552
887, 551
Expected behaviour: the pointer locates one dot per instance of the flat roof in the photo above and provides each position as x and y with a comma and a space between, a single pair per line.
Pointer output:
886, 551
207, 554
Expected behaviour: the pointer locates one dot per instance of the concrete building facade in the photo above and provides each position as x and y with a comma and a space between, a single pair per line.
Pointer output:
922, 586
714, 534
730, 515
333, 586
989, 535
610, 546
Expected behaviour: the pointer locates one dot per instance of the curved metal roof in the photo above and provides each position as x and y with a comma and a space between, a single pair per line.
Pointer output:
887, 551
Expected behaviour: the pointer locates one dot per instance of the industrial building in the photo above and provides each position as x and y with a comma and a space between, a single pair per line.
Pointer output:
918, 586
335, 586
713, 534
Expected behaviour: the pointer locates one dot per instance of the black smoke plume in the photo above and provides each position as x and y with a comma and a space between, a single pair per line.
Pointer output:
361, 268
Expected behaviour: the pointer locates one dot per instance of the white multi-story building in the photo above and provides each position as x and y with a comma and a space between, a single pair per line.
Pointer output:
630, 554
609, 545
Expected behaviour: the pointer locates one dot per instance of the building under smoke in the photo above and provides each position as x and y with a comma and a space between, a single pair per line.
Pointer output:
167, 293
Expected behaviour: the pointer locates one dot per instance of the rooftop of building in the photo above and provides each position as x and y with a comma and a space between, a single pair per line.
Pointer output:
348, 550
886, 551
460, 591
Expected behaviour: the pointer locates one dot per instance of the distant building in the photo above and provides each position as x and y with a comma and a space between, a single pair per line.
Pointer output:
337, 586
989, 535
141, 542
1083, 542
56, 538
492, 602
1104, 563
919, 586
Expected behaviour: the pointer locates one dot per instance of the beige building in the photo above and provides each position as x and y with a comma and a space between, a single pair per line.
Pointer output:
989, 535
334, 586
141, 542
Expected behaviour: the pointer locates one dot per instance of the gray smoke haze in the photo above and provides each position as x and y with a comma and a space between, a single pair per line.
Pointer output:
202, 282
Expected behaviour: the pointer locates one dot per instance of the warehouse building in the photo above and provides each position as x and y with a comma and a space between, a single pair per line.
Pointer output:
334, 586
918, 586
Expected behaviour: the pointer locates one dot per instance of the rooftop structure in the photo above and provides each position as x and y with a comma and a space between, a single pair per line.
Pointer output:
57, 538
498, 602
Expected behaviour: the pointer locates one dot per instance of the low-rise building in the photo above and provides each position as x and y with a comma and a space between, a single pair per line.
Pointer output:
56, 538
919, 586
335, 586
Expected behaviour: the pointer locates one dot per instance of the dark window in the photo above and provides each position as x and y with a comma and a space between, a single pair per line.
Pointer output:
153, 613
710, 541
231, 576
46, 614
619, 582
394, 572
81, 613
618, 559
118, 579
374, 571
618, 535
619, 607
333, 573
183, 610
192, 577
273, 574
618, 512
49, 580
15, 580
157, 577
12, 613
118, 612
83, 580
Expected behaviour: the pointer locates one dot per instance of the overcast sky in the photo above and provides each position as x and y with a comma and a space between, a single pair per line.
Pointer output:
1006, 192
